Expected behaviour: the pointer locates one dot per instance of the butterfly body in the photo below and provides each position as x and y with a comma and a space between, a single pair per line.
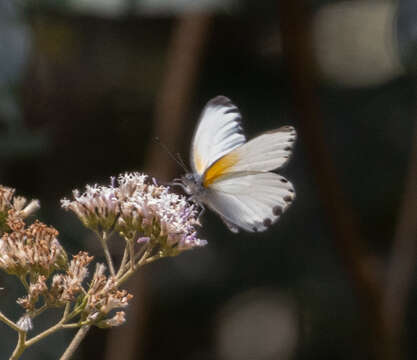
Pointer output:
232, 176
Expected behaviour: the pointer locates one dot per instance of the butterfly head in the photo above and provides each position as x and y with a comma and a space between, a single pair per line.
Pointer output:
192, 184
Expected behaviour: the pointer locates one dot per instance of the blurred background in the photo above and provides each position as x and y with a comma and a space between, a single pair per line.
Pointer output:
85, 85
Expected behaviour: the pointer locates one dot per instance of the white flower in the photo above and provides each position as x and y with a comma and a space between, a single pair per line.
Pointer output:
139, 210
97, 207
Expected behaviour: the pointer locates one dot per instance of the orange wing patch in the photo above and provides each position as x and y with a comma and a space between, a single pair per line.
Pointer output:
220, 168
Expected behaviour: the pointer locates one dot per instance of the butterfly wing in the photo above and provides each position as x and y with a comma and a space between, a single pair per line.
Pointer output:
218, 132
265, 152
252, 201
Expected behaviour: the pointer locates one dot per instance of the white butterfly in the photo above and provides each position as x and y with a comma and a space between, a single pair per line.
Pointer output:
231, 176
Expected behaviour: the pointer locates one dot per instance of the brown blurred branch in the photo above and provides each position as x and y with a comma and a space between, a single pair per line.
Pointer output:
295, 21
401, 267
184, 59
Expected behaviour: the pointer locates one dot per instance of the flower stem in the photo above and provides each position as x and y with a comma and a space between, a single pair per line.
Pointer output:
143, 261
76, 341
24, 282
103, 240
9, 322
131, 253
58, 326
20, 347
123, 262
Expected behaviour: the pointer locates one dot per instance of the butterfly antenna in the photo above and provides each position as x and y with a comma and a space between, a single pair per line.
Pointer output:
180, 159
177, 160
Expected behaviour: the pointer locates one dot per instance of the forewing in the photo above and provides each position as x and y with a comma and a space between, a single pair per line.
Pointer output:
252, 201
265, 152
218, 132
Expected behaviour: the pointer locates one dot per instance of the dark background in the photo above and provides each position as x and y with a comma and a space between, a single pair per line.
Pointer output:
85, 86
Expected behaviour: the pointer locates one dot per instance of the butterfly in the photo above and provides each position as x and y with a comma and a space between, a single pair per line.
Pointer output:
232, 176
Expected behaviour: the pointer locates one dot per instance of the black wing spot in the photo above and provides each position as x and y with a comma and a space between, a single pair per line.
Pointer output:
287, 198
291, 191
267, 222
284, 181
231, 110
277, 210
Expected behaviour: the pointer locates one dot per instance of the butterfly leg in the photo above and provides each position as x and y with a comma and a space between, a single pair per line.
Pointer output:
233, 228
177, 184
202, 211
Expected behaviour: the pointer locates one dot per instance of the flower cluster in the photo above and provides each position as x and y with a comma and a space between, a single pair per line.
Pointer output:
139, 209
66, 287
18, 203
30, 250
35, 290
104, 296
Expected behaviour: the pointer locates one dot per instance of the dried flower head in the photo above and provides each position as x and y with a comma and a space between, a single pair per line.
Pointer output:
36, 289
117, 320
25, 323
66, 287
137, 209
104, 295
6, 196
34, 249
18, 203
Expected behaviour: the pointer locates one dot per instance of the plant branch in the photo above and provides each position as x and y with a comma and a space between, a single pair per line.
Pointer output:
103, 240
24, 282
123, 262
38, 311
20, 347
9, 322
52, 329
143, 261
75, 343
131, 253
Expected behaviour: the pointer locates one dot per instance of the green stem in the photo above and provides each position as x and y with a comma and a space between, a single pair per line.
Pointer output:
24, 282
58, 326
143, 252
20, 347
38, 311
103, 240
123, 262
22, 344
76, 341
9, 322
131, 253
143, 261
